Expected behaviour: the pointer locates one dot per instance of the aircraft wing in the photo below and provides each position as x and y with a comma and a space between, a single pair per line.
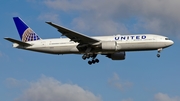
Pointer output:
74, 36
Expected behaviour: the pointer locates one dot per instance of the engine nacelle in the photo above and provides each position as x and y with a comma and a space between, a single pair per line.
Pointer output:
117, 56
110, 46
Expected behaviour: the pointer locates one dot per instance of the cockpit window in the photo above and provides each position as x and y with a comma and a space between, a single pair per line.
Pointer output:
167, 39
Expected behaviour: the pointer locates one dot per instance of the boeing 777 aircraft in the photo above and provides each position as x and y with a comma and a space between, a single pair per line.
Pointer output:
113, 47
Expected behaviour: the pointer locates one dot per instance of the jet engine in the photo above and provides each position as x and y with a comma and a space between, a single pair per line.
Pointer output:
117, 56
110, 46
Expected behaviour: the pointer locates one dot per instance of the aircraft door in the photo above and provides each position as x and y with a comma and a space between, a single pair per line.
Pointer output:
43, 43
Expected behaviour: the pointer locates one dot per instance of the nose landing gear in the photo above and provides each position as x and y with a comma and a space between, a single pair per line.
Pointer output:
158, 55
159, 50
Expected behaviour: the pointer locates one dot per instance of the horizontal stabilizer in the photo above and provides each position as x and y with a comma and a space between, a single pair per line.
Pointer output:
18, 42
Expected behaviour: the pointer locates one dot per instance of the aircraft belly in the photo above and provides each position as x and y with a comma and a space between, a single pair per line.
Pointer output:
65, 49
56, 49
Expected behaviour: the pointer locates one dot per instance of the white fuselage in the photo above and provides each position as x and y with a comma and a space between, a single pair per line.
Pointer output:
124, 43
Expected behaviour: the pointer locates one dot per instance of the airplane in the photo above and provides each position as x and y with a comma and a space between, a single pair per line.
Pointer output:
113, 47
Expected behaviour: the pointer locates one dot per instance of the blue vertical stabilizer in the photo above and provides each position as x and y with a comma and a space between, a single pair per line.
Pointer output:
25, 32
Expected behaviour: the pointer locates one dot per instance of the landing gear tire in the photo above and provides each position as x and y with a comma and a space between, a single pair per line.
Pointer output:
158, 55
89, 62
93, 61
84, 57
96, 60
159, 51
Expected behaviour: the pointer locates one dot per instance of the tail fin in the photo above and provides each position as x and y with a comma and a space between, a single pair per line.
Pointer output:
25, 32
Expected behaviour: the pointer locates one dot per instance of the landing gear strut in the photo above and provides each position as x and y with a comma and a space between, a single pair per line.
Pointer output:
159, 50
88, 55
84, 57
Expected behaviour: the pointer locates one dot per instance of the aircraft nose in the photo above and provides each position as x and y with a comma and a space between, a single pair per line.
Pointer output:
171, 42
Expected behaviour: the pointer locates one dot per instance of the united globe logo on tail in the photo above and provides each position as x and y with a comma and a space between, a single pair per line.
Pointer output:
29, 35
25, 32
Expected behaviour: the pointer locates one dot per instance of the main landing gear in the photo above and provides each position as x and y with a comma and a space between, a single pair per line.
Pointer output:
93, 61
159, 50
93, 56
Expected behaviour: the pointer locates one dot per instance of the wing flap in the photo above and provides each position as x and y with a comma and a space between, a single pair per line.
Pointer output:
18, 42
74, 36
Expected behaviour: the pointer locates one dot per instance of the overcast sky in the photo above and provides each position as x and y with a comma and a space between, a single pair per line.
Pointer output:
31, 76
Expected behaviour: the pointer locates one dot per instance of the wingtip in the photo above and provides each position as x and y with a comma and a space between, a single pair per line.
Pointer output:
6, 38
48, 22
